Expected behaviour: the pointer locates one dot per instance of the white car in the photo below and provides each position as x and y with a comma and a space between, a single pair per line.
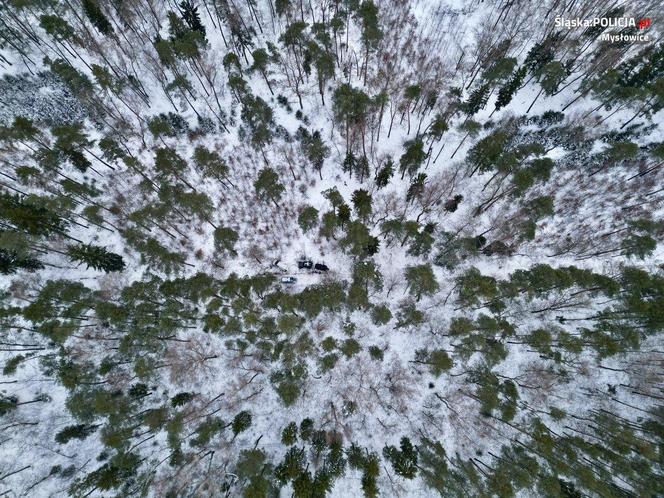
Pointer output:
288, 280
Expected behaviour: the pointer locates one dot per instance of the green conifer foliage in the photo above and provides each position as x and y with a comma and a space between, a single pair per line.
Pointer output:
96, 257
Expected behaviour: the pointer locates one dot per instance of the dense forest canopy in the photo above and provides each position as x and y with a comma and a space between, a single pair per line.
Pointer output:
309, 248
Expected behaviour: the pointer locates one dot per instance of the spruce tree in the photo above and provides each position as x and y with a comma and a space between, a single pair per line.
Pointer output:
80, 431
348, 165
361, 167
190, 15
507, 91
241, 422
416, 187
96, 257
412, 158
362, 203
476, 100
30, 215
384, 174
11, 261
97, 17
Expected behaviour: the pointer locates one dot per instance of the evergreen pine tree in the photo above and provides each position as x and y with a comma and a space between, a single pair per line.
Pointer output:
308, 218
268, 187
421, 280
225, 239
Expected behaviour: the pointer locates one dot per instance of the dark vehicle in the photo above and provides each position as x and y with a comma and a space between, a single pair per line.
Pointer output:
320, 267
305, 264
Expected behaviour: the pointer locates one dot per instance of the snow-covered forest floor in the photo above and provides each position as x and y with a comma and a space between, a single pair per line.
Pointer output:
483, 190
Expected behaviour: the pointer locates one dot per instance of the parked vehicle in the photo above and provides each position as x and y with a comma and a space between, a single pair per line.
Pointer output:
320, 267
305, 264
288, 280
